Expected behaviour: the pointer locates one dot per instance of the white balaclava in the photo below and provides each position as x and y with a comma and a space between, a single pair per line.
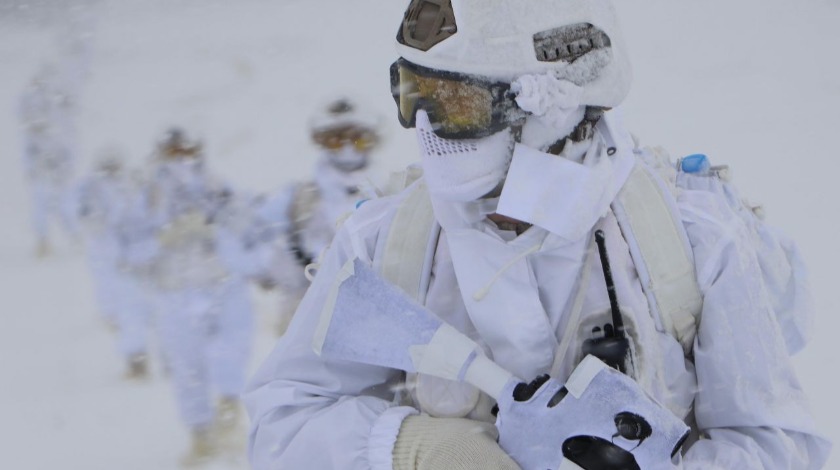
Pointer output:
342, 114
347, 158
465, 169
338, 183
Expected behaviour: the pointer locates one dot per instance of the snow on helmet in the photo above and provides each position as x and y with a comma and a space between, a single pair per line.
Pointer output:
577, 40
341, 123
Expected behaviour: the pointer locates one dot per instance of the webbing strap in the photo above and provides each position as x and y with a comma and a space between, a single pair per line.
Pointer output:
405, 251
659, 246
647, 214
305, 198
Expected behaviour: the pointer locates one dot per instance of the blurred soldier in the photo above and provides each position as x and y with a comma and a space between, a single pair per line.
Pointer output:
205, 321
305, 213
113, 210
100, 195
48, 158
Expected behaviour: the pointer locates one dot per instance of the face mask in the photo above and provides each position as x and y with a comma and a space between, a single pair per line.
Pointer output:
347, 158
465, 169
186, 173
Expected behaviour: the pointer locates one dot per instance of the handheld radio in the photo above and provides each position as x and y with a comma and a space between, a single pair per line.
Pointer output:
613, 347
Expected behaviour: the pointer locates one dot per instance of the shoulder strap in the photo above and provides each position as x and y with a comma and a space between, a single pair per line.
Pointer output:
304, 199
647, 214
410, 242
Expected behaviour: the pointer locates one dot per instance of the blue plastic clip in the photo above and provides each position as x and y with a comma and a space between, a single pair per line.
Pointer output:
360, 202
695, 164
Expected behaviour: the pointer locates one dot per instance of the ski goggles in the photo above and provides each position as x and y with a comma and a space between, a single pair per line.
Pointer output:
337, 137
180, 153
459, 106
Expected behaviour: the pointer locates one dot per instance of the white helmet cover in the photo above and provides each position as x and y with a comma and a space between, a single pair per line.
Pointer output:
576, 40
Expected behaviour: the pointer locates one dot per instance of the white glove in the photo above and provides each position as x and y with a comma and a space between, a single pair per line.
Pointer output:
426, 443
600, 420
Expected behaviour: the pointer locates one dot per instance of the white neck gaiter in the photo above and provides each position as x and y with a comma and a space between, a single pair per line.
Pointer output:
464, 169
337, 185
347, 158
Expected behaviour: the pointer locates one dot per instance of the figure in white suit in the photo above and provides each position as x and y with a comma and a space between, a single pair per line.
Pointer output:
48, 156
113, 210
101, 196
528, 177
205, 317
304, 215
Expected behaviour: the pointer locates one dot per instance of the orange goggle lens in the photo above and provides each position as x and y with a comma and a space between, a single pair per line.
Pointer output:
336, 138
459, 106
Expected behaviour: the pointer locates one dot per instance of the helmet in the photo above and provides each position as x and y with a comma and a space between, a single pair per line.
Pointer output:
340, 123
176, 145
500, 40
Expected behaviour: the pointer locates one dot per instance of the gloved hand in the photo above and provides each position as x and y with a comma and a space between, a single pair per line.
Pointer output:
600, 420
426, 443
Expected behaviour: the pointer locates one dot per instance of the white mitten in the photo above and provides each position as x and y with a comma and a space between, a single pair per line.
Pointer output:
600, 420
426, 443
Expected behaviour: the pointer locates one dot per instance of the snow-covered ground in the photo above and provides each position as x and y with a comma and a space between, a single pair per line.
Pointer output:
750, 83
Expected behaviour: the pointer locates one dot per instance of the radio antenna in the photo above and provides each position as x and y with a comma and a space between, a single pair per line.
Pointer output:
618, 323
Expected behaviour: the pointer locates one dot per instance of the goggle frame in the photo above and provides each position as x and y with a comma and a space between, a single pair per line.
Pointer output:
504, 110
362, 139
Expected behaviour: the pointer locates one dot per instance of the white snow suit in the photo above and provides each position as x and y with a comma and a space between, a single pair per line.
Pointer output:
205, 315
120, 246
304, 218
100, 200
48, 158
49, 167
530, 301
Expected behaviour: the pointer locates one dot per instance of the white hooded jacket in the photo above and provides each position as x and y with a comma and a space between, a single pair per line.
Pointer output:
531, 301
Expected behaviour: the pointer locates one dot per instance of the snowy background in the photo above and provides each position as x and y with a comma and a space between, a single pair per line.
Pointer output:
750, 83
